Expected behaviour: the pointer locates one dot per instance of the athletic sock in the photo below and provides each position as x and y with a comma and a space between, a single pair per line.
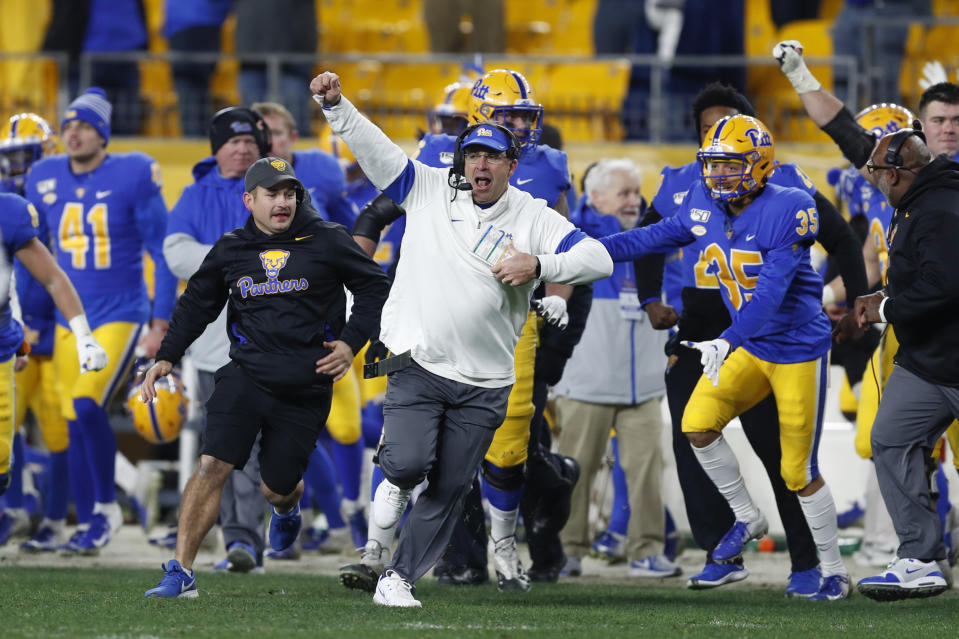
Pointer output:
81, 481
348, 459
101, 445
720, 464
321, 478
820, 511
57, 493
619, 517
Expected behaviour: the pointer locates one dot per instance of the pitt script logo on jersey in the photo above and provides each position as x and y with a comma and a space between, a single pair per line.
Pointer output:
273, 262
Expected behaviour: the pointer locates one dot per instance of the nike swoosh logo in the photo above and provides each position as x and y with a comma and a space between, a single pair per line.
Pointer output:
749, 237
909, 572
101, 541
452, 220
521, 182
103, 194
303, 237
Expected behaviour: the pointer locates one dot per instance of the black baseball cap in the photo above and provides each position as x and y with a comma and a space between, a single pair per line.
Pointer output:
268, 172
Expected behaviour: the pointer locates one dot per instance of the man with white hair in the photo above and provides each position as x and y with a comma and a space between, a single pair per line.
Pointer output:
615, 380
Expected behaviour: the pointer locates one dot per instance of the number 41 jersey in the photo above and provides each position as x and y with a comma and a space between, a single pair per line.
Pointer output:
100, 223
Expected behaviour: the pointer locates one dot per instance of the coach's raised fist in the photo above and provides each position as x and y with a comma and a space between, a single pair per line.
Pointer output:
326, 88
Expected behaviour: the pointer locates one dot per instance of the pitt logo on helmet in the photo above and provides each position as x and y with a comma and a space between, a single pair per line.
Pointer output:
273, 260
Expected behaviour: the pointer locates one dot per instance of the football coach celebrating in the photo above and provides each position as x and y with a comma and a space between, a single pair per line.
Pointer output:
474, 250
282, 276
921, 301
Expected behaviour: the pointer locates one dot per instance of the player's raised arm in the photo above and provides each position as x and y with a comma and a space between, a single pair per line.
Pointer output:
825, 109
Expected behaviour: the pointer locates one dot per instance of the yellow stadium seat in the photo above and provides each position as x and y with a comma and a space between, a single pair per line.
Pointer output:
585, 99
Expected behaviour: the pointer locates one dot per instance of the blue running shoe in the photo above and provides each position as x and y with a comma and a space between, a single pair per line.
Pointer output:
176, 583
70, 548
610, 547
834, 588
715, 575
358, 528
96, 537
291, 553
165, 539
285, 528
804, 583
733, 542
849, 517
313, 539
46, 539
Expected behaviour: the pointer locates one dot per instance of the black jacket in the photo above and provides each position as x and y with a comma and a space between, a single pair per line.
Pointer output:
923, 278
282, 305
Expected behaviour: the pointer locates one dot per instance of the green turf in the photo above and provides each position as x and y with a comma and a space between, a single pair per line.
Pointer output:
85, 602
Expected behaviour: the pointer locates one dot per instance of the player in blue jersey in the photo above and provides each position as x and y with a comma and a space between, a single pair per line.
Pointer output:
704, 316
18, 239
103, 209
25, 139
506, 97
753, 239
323, 178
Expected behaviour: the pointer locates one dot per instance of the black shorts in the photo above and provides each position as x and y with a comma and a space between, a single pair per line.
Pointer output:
239, 409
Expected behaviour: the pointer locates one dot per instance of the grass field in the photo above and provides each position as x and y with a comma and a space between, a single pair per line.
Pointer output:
108, 602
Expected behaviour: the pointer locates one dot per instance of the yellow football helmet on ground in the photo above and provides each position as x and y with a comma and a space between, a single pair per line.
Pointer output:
25, 138
158, 422
451, 115
505, 96
883, 118
737, 157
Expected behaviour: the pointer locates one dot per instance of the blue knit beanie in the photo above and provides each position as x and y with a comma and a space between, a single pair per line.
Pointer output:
91, 106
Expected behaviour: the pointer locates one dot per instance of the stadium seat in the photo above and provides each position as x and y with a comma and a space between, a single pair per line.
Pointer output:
584, 99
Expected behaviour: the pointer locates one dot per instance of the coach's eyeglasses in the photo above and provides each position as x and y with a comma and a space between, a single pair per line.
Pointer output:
872, 168
492, 158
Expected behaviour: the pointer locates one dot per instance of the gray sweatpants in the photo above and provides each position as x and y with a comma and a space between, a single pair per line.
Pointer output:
913, 414
242, 505
438, 429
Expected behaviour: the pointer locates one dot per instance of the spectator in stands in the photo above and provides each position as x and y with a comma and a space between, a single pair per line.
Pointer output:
785, 11
98, 27
443, 19
614, 380
193, 26
877, 46
278, 27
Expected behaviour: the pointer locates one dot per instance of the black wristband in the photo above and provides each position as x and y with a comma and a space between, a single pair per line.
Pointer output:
539, 267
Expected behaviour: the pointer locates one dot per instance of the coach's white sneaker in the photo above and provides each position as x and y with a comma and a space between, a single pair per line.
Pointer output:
905, 579
389, 503
394, 591
510, 574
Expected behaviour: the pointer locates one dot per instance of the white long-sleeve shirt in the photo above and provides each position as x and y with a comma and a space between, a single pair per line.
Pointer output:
445, 306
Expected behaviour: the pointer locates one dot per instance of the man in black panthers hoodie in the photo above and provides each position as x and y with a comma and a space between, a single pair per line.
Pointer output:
282, 276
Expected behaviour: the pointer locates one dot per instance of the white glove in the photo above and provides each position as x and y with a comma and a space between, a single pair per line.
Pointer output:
789, 55
932, 73
553, 309
714, 352
91, 354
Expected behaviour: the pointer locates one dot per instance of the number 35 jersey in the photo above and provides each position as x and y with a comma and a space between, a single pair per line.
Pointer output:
100, 223
758, 259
